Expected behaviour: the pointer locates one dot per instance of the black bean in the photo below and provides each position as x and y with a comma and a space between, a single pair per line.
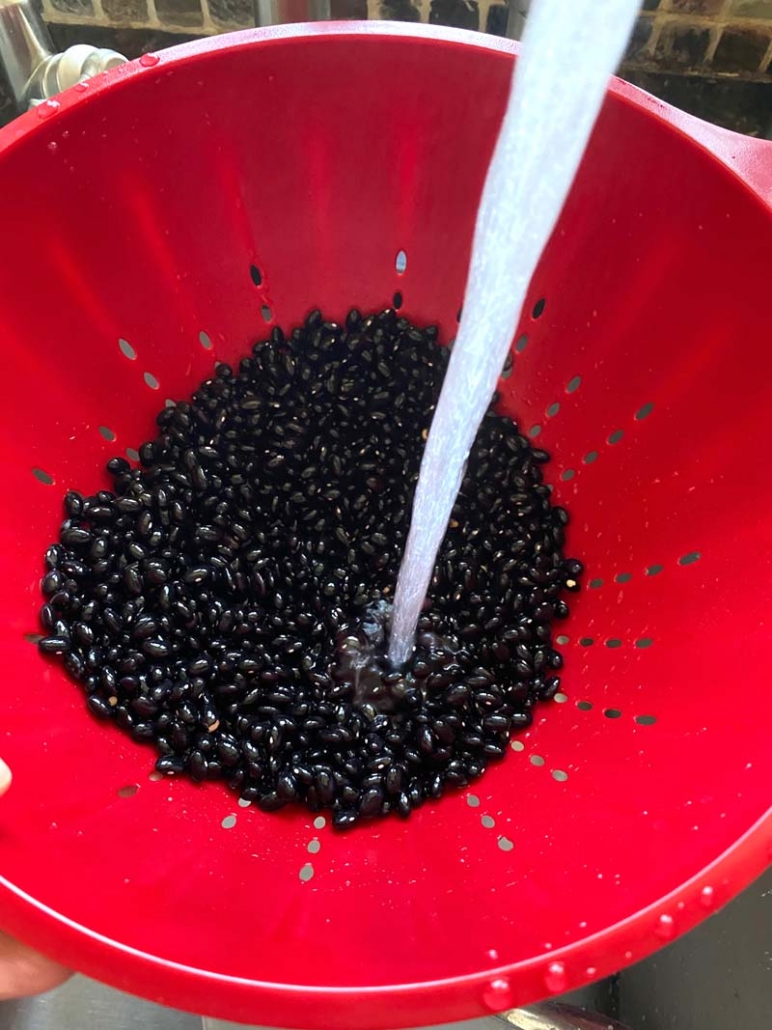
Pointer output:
54, 645
118, 467
170, 764
99, 707
156, 648
74, 537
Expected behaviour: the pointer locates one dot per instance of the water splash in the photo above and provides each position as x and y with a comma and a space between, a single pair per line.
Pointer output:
569, 52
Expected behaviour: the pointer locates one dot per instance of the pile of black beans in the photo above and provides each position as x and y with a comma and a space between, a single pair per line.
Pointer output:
228, 600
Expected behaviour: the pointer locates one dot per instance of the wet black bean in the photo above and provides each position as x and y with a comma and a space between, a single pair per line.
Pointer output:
205, 602
54, 645
99, 707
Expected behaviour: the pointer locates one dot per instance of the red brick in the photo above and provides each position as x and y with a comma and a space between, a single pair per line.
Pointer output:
701, 7
684, 45
752, 9
179, 12
740, 50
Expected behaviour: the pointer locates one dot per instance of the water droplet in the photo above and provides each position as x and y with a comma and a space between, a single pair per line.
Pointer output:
47, 108
592, 972
80, 87
707, 897
498, 995
493, 955
555, 979
149, 60
53, 146
628, 956
665, 928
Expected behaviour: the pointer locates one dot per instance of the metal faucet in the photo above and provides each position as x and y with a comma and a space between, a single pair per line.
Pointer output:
34, 71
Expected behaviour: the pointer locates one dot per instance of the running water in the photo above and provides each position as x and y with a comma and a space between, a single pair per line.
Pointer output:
570, 48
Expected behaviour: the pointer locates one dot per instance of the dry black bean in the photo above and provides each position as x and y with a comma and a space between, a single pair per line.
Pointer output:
229, 600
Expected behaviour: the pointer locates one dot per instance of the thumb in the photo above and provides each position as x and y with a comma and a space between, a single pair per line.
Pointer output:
5, 777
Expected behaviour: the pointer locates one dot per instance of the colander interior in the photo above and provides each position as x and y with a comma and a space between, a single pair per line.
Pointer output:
166, 223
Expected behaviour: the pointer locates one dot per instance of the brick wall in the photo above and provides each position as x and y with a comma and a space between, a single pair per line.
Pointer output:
705, 37
714, 38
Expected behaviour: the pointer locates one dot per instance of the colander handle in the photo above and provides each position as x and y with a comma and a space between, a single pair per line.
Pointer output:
749, 158
553, 1016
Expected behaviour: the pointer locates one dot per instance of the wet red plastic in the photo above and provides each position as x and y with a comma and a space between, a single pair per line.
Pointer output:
316, 155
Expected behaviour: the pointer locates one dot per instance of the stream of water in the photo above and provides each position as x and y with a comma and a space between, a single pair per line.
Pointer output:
570, 49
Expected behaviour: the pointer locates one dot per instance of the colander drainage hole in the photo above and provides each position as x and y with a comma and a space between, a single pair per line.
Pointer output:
537, 760
132, 454
401, 262
584, 706
128, 791
488, 822
228, 822
590, 457
505, 844
595, 584
106, 433
553, 409
509, 364
654, 570
616, 436
645, 720
559, 775
127, 350
538, 308
613, 642
255, 275
644, 412
690, 559
521, 344
397, 300
205, 340
266, 312
573, 384
43, 477
644, 642
306, 872
151, 381
586, 641
534, 431
612, 713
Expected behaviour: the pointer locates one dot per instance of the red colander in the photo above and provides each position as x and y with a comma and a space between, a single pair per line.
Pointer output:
345, 163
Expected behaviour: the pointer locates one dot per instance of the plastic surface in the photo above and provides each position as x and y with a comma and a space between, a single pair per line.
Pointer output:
134, 211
